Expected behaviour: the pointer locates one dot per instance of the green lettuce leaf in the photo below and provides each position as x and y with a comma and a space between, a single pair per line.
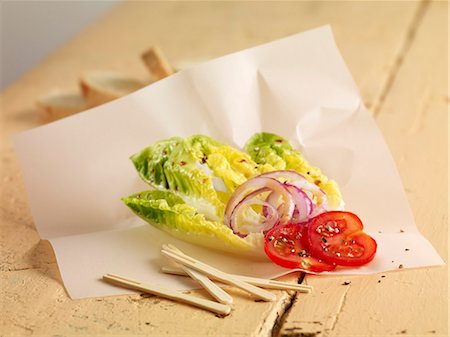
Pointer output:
202, 171
150, 161
170, 213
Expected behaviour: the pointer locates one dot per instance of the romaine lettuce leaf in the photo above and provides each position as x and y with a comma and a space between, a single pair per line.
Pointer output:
170, 213
150, 161
202, 171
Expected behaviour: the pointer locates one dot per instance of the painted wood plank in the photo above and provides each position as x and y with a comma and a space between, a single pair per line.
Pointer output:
53, 313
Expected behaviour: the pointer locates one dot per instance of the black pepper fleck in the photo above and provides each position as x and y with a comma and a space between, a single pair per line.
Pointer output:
346, 283
400, 266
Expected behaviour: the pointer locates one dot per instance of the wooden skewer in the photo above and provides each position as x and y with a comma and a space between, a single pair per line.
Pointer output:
213, 289
263, 283
215, 273
126, 282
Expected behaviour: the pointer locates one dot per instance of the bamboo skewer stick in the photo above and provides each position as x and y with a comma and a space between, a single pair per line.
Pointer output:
218, 308
215, 273
263, 283
213, 289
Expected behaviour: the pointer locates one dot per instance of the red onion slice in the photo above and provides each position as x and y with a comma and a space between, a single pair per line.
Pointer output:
257, 183
314, 192
321, 204
263, 224
303, 205
272, 199
284, 196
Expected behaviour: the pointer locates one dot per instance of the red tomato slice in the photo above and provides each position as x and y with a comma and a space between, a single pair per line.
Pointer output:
286, 246
337, 237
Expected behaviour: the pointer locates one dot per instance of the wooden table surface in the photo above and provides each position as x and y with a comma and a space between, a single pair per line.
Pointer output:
397, 53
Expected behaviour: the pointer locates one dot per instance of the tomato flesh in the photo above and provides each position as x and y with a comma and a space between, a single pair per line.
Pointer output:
287, 246
337, 237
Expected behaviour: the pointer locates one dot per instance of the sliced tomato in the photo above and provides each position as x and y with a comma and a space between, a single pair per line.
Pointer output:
337, 237
286, 245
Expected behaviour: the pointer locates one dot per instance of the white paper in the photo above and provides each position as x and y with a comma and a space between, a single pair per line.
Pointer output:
77, 169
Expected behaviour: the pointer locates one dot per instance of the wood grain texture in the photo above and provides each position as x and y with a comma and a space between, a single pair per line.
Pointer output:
413, 118
370, 36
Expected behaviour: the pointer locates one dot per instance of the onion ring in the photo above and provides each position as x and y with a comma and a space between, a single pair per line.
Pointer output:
257, 183
271, 219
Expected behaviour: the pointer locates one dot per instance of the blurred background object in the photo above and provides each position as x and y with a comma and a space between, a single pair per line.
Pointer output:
31, 30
